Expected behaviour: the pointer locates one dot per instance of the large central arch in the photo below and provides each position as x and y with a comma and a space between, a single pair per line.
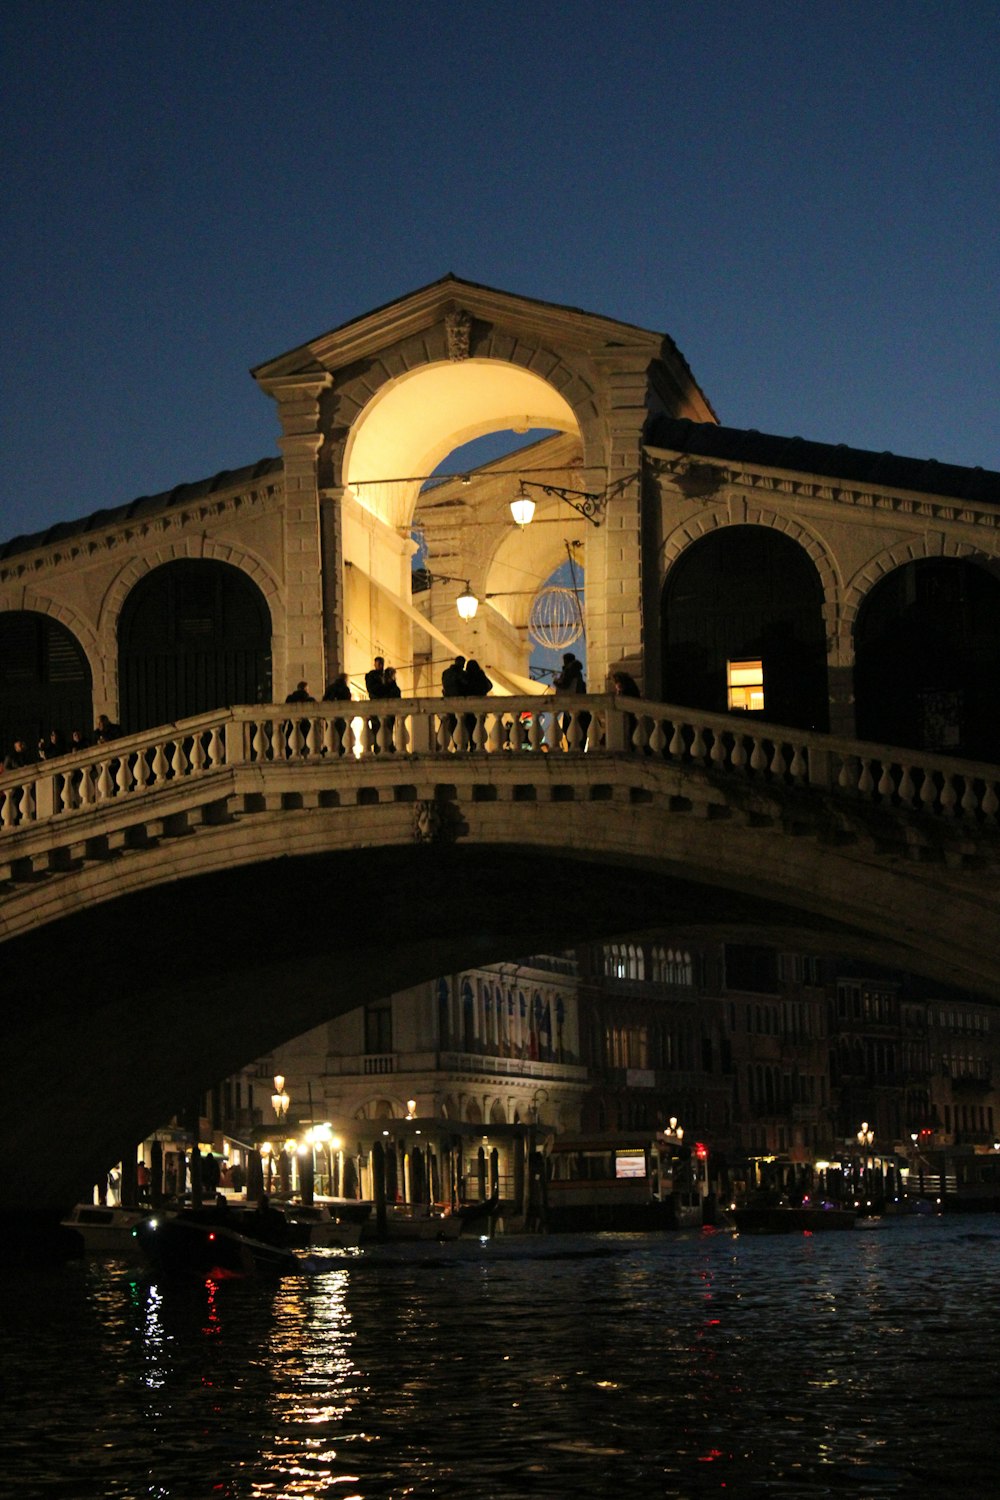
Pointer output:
412, 423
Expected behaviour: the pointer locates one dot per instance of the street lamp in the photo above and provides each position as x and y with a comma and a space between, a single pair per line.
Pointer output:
674, 1132
585, 502
279, 1099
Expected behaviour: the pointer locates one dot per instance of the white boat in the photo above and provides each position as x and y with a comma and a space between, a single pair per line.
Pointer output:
106, 1229
322, 1228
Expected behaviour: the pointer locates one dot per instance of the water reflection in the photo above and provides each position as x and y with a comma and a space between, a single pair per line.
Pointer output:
673, 1366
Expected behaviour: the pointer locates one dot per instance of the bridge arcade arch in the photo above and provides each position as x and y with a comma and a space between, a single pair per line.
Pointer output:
746, 594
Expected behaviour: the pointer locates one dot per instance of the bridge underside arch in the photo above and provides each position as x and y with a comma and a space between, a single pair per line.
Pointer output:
136, 1006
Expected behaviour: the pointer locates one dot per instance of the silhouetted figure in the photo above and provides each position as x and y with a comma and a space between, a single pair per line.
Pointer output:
375, 688
339, 691
453, 686
390, 689
301, 694
106, 730
571, 680
19, 756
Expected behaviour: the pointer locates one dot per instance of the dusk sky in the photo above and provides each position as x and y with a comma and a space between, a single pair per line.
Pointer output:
804, 196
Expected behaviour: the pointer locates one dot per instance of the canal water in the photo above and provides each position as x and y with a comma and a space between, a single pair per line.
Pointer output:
865, 1364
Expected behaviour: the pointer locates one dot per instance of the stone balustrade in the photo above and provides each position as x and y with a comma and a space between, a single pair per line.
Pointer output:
719, 745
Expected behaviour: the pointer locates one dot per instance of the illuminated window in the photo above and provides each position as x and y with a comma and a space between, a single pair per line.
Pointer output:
745, 680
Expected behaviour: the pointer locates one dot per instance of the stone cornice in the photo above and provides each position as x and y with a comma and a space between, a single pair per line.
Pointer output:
818, 487
83, 547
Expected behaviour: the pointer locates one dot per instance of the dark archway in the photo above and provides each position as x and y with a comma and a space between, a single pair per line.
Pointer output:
927, 659
45, 680
746, 593
194, 635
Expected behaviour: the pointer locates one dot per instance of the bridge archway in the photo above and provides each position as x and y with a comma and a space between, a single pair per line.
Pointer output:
45, 679
927, 658
746, 594
192, 634
412, 424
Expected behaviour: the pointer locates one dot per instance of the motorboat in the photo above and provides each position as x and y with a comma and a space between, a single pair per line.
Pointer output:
106, 1229
319, 1227
791, 1218
195, 1244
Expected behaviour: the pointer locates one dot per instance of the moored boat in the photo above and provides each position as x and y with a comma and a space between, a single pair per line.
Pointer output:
789, 1218
191, 1245
106, 1229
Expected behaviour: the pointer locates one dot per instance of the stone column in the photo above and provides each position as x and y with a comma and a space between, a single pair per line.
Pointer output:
614, 560
298, 411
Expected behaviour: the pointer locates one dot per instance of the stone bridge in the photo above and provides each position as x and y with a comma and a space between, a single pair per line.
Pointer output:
178, 902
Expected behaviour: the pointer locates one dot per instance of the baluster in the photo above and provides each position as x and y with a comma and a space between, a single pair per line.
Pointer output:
279, 744
990, 802
65, 799
970, 802
574, 733
259, 742
88, 792
718, 755
535, 731
197, 755
779, 765
403, 736
28, 802
123, 779
331, 740
699, 749
104, 783
312, 739
443, 735
949, 796
645, 733
7, 807
516, 737
738, 758
553, 734
928, 792
866, 781
350, 737
886, 785
160, 765
179, 763
294, 742
907, 788
758, 760
800, 766
494, 742
847, 776
677, 746
217, 747
141, 769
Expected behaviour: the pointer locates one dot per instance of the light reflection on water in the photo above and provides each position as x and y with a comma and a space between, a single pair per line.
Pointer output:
860, 1364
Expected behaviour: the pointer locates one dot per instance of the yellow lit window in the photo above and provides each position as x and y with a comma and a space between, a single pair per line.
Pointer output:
745, 681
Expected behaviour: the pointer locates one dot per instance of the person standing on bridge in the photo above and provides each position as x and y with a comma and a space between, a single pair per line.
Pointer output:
375, 688
301, 694
477, 685
571, 680
390, 689
453, 685
339, 691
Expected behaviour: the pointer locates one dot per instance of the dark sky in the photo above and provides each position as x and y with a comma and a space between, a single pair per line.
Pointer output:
803, 196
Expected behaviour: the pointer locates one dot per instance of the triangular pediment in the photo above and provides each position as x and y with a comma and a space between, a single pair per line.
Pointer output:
375, 331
